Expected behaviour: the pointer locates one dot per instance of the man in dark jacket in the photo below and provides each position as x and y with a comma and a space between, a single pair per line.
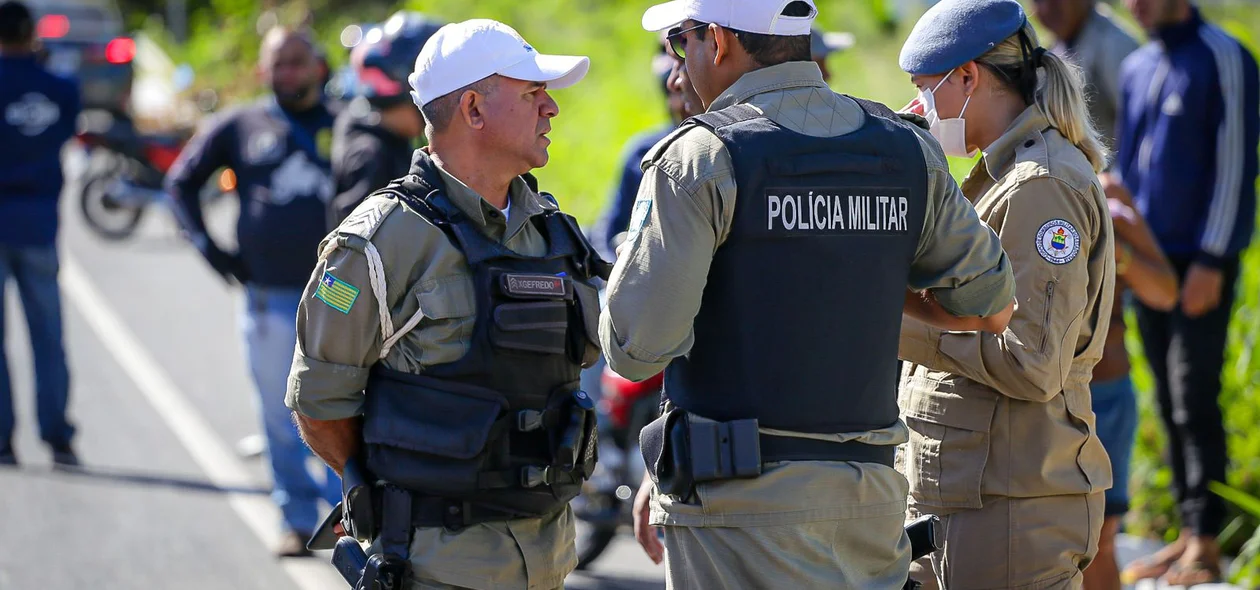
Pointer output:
279, 149
375, 135
37, 116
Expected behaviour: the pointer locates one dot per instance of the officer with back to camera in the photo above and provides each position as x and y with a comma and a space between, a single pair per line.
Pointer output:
773, 249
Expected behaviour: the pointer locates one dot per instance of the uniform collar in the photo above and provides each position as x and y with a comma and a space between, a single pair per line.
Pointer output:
999, 156
792, 74
524, 201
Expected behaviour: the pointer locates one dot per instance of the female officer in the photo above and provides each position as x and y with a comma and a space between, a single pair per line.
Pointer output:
1003, 444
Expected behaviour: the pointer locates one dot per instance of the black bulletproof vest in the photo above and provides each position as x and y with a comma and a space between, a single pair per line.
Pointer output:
490, 428
799, 322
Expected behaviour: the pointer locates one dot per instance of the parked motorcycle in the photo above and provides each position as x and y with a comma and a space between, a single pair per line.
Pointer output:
124, 172
607, 498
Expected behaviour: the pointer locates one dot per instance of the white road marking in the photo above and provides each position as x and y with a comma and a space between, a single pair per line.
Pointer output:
210, 452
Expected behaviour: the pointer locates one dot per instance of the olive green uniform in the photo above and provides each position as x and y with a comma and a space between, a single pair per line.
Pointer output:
807, 524
429, 287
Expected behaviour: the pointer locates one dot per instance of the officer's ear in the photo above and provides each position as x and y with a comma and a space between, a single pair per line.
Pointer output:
969, 77
472, 105
724, 42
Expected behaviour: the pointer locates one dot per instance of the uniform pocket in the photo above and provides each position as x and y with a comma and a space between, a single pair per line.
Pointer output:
1045, 322
448, 305
948, 447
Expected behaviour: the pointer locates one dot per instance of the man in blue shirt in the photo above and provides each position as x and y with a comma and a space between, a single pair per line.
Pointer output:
1188, 129
279, 148
37, 116
617, 215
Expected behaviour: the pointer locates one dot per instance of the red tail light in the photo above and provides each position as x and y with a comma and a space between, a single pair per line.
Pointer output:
161, 156
52, 26
120, 51
620, 394
88, 139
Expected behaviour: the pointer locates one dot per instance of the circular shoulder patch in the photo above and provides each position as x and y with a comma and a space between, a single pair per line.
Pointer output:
1058, 242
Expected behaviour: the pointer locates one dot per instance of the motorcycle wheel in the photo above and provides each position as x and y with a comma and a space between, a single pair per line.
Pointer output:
107, 217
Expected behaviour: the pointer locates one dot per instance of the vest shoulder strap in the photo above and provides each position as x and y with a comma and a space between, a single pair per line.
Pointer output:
728, 116
881, 110
709, 121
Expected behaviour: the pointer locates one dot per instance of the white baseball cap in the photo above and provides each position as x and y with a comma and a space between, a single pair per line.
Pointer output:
459, 54
751, 16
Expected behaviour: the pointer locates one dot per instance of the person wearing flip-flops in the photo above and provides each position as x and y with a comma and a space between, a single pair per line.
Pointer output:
1187, 136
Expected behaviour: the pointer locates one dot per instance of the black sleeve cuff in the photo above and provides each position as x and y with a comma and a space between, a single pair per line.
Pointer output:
1210, 260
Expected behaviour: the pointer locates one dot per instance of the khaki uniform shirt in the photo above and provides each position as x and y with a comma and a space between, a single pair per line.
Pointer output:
1099, 49
1009, 414
684, 212
338, 344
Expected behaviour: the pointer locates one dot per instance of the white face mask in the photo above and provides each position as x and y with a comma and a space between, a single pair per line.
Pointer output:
951, 133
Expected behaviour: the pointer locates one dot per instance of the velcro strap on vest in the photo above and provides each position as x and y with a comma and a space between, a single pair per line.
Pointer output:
787, 448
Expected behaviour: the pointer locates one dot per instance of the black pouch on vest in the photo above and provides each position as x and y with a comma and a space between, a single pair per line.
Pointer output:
681, 451
723, 450
924, 537
360, 518
428, 434
569, 443
539, 322
663, 444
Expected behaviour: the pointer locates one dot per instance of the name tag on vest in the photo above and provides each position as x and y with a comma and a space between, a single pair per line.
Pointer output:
533, 285
835, 211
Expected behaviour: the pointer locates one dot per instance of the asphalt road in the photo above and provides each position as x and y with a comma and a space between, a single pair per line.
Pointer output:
161, 395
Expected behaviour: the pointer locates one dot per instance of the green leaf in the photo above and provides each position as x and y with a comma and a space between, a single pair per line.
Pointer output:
1241, 499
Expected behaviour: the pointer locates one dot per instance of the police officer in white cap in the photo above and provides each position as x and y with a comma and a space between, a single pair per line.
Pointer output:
441, 335
775, 242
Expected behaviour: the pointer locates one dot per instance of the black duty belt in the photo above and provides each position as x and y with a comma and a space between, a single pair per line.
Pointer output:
791, 448
453, 515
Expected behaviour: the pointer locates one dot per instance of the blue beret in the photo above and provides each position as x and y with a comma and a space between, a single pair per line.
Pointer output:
954, 32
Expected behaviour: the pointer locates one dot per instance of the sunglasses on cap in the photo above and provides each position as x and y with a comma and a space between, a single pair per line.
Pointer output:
677, 42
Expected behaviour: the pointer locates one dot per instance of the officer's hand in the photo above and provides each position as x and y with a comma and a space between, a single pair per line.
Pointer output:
915, 106
222, 262
1202, 291
644, 532
239, 271
231, 267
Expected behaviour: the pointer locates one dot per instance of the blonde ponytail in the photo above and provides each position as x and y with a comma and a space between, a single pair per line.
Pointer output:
1060, 92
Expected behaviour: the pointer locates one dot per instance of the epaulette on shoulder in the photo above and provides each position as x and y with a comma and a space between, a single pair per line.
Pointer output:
361, 225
